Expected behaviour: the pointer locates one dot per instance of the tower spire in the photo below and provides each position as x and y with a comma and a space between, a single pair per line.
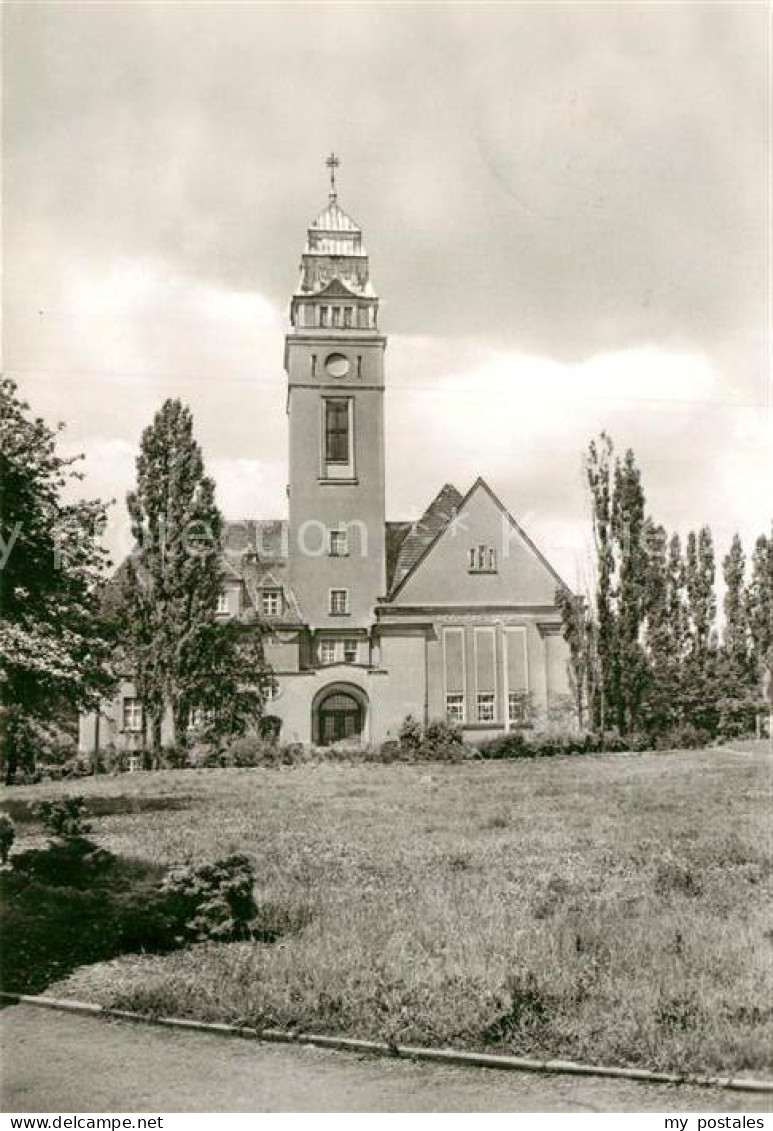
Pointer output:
332, 163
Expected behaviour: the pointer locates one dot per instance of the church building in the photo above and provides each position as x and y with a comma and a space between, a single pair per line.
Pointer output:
451, 616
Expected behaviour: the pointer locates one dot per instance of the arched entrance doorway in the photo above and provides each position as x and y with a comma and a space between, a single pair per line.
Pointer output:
339, 715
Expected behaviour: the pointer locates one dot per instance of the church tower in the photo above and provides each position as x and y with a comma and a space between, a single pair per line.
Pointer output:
334, 359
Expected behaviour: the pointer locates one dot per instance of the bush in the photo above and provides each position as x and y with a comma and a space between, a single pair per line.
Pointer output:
214, 901
439, 734
410, 734
686, 737
64, 819
173, 758
269, 729
738, 716
439, 741
540, 744
292, 754
7, 836
389, 751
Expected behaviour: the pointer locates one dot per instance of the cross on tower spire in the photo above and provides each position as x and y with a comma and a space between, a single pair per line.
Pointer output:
332, 164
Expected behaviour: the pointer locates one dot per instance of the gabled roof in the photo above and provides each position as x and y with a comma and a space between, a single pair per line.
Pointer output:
446, 505
424, 532
255, 551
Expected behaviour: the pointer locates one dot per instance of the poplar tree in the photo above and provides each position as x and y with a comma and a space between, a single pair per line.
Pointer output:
598, 471
700, 691
702, 603
760, 610
736, 634
658, 706
627, 530
183, 657
172, 579
677, 627
676, 604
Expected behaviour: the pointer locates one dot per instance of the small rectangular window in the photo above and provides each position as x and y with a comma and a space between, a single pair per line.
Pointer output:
327, 651
336, 315
336, 430
485, 707
132, 715
455, 707
517, 707
350, 651
347, 317
339, 602
482, 559
323, 316
222, 603
339, 544
271, 602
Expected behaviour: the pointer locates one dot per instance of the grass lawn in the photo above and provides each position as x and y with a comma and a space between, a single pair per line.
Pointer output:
607, 908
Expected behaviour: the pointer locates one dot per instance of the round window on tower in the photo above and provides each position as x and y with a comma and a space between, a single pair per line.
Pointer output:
337, 365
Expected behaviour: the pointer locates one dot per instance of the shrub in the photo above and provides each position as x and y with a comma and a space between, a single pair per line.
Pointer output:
7, 836
738, 715
173, 758
441, 734
269, 728
687, 737
410, 734
439, 741
512, 744
540, 744
214, 901
64, 819
292, 754
389, 751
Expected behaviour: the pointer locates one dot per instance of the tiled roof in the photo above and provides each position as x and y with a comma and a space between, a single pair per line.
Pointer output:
256, 552
396, 533
265, 538
435, 518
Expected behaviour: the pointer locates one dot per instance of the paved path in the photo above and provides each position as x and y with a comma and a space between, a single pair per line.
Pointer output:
60, 1062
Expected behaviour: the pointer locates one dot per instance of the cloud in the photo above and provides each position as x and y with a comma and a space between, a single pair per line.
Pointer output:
564, 206
560, 180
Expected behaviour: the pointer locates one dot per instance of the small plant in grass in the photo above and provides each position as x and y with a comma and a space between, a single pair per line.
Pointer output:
529, 1007
64, 819
214, 901
7, 837
673, 876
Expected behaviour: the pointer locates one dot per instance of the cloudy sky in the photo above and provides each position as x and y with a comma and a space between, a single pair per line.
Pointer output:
564, 206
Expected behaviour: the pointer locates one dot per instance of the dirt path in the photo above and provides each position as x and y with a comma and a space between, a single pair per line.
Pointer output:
58, 1062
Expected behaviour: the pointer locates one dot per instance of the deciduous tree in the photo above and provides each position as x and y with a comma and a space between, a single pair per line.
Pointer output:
54, 646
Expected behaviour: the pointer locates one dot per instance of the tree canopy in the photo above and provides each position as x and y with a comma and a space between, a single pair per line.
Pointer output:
55, 647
